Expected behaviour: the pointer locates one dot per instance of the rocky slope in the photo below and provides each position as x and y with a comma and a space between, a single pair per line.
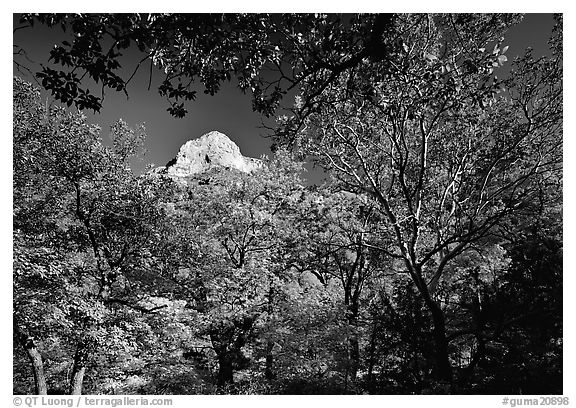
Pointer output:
214, 149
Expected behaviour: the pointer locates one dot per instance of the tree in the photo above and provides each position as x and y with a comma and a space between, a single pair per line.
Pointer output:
529, 333
335, 242
429, 263
82, 223
446, 151
269, 55
221, 252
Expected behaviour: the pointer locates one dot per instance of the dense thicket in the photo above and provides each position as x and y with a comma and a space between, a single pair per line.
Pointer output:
430, 262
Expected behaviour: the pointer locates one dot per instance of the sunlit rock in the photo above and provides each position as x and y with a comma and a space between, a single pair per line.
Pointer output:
214, 149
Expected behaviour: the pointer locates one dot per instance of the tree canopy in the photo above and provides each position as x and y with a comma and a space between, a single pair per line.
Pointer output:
267, 54
430, 261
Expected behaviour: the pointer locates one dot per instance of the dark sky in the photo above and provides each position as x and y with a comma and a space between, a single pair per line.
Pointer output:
229, 111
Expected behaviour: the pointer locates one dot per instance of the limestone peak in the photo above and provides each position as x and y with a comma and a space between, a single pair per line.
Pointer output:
213, 149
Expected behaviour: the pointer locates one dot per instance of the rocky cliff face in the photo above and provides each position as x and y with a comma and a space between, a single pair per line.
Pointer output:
214, 149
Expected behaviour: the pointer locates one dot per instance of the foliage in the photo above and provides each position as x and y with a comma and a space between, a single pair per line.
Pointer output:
430, 261
446, 151
81, 222
268, 54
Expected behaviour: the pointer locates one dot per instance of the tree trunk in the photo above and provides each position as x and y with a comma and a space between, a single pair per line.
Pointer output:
38, 369
269, 371
77, 381
372, 354
78, 370
478, 355
227, 339
353, 344
225, 369
221, 339
27, 342
354, 357
442, 368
